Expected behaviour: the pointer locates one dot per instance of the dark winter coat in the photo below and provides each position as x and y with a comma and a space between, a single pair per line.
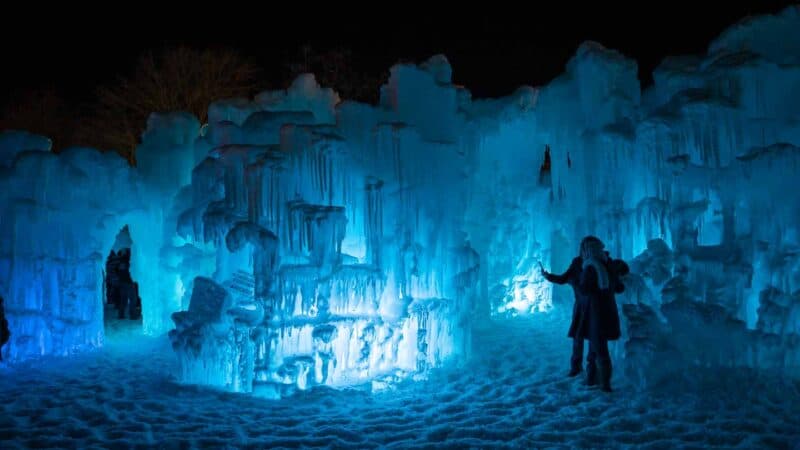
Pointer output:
599, 317
604, 316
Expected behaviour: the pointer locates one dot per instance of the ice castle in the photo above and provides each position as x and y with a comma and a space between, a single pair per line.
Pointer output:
299, 239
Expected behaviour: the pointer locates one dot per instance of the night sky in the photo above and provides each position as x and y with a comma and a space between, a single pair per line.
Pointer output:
491, 53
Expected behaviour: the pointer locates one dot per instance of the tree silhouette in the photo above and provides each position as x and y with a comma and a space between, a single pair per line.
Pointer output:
176, 79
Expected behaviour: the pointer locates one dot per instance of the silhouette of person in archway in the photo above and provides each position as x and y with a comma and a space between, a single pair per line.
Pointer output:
5, 333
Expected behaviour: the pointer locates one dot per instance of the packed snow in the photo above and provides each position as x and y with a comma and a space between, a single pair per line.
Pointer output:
514, 393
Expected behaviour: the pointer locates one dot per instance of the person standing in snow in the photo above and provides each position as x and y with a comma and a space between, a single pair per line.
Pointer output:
127, 293
598, 320
5, 334
579, 326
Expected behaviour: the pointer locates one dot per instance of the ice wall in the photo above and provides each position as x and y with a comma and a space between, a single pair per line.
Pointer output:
694, 179
165, 160
53, 241
338, 238
697, 160
59, 218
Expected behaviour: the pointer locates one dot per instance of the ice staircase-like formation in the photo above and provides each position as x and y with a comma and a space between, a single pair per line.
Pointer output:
349, 246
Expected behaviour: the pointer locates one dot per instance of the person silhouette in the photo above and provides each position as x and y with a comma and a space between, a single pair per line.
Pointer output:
5, 334
584, 325
599, 322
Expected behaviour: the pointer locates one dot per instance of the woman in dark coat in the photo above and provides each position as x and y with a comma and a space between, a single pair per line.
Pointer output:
579, 327
598, 320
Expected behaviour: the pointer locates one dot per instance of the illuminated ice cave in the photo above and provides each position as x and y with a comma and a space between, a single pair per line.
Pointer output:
298, 241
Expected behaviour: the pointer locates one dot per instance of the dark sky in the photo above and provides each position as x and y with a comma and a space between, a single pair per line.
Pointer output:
491, 52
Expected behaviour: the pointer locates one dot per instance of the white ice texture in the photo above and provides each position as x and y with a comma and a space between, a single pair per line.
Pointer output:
299, 240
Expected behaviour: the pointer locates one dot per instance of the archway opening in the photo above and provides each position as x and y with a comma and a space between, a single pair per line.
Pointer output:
122, 305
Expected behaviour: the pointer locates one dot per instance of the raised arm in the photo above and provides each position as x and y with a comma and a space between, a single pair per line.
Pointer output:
564, 278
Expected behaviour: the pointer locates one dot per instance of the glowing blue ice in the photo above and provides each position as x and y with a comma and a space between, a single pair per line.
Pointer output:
298, 240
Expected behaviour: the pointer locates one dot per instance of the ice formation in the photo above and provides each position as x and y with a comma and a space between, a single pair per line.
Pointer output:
338, 255
298, 239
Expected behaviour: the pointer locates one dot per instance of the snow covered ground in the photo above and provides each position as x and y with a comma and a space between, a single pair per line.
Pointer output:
513, 393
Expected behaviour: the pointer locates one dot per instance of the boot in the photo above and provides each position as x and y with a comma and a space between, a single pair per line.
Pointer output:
574, 370
591, 374
604, 369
